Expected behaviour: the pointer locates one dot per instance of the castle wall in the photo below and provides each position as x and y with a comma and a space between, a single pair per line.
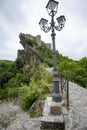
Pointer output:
43, 43
38, 40
30, 36
48, 45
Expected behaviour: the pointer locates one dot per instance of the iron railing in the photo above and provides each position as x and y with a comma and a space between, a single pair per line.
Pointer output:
64, 83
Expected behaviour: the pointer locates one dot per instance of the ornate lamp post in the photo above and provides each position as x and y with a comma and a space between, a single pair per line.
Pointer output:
52, 8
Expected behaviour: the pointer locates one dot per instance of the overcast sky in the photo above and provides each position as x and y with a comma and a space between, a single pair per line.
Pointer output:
24, 15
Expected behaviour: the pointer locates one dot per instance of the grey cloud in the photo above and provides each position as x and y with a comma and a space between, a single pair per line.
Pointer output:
11, 12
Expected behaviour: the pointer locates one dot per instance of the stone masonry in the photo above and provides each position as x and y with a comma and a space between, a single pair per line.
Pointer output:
52, 116
39, 41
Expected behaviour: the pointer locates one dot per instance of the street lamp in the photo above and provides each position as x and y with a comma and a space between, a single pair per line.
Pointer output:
52, 8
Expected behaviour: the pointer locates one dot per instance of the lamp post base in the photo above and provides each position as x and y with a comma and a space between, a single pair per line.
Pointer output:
57, 97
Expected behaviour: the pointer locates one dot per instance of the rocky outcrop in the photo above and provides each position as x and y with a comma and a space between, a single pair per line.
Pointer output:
28, 55
32, 58
76, 117
13, 118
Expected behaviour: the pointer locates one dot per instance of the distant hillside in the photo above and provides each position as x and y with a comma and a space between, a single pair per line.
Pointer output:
5, 61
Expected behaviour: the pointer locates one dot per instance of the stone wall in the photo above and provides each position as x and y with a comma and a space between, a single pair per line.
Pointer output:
39, 41
48, 45
30, 36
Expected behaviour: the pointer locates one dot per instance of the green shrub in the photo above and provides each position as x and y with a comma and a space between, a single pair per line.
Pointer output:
23, 89
12, 92
43, 86
49, 62
29, 98
3, 94
49, 78
12, 83
3, 79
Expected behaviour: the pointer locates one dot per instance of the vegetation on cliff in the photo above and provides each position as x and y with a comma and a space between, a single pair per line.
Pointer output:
31, 82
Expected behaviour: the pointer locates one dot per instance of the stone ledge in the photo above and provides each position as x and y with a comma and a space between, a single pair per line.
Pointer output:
54, 119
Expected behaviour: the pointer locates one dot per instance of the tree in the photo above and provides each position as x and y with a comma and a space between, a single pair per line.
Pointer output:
3, 79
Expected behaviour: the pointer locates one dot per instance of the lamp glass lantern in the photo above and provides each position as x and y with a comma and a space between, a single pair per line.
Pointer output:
43, 23
61, 19
52, 7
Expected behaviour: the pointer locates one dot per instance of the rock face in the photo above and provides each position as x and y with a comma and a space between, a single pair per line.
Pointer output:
13, 118
76, 117
28, 55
